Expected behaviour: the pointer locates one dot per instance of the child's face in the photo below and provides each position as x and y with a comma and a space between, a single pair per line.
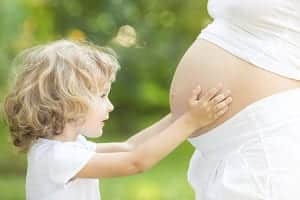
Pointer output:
99, 111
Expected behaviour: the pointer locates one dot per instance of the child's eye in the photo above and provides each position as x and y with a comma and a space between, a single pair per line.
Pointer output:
104, 95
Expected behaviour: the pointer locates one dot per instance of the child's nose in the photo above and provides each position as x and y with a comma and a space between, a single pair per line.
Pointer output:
110, 106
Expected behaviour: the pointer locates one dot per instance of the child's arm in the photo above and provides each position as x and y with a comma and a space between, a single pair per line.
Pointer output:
150, 131
203, 111
136, 139
112, 147
141, 136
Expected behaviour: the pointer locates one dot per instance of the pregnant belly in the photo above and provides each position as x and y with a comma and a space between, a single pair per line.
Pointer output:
207, 64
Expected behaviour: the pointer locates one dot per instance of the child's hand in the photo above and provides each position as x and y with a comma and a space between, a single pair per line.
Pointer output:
208, 107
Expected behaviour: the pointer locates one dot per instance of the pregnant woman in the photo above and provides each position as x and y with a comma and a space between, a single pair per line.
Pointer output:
253, 151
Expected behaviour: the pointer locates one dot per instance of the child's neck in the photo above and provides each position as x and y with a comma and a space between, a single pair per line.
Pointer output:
69, 134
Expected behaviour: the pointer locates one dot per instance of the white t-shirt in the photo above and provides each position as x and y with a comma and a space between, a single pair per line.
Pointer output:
51, 165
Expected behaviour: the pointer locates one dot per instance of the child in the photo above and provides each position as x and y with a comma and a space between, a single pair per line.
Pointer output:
61, 96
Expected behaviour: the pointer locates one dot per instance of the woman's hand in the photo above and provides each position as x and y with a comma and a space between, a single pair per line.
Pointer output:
208, 107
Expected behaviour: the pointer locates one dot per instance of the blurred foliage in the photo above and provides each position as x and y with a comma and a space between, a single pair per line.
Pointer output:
149, 37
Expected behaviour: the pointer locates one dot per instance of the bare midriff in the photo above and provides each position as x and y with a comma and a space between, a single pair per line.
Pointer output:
206, 64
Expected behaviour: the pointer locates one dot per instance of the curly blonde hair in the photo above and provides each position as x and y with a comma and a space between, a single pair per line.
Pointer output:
53, 87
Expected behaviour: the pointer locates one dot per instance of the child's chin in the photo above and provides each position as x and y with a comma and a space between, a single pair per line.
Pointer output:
95, 135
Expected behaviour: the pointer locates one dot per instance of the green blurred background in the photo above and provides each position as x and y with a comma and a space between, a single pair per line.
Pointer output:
150, 37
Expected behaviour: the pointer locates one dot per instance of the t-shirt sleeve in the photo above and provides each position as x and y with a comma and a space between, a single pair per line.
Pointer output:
89, 144
66, 160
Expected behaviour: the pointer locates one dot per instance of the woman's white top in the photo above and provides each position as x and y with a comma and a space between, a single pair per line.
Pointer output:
51, 166
265, 33
252, 156
255, 154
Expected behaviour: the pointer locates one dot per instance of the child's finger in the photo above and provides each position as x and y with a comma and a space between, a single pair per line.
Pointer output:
197, 92
212, 92
223, 104
221, 97
221, 112
195, 95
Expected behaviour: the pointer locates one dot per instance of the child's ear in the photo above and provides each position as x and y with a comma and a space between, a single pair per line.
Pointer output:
76, 123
